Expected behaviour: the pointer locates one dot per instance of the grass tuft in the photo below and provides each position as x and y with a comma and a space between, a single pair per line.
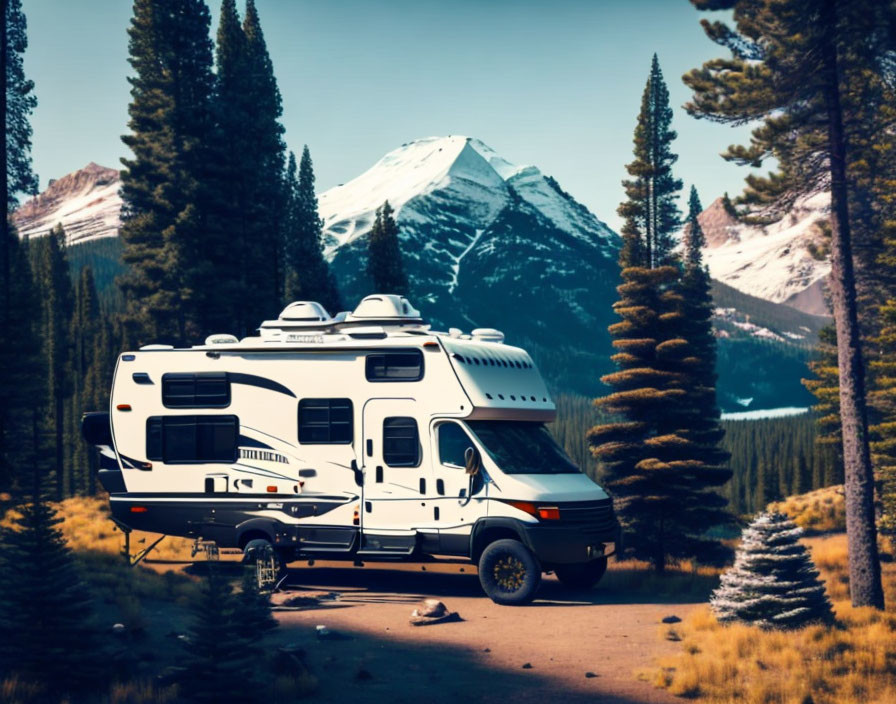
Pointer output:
819, 511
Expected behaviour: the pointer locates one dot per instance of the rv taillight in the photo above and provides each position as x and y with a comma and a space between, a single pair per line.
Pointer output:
138, 509
123, 407
549, 513
431, 345
272, 490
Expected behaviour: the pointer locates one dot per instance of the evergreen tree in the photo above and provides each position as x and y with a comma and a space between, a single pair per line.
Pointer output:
55, 293
271, 190
47, 635
84, 330
165, 228
884, 367
802, 69
19, 102
700, 414
650, 209
252, 609
773, 583
658, 458
384, 265
249, 174
308, 278
21, 365
219, 660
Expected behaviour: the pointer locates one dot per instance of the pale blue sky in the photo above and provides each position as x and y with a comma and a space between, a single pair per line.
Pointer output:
556, 84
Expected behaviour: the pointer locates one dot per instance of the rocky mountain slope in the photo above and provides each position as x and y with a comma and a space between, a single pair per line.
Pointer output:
86, 203
783, 262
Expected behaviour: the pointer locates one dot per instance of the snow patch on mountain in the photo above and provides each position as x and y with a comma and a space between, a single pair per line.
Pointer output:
464, 168
778, 262
85, 202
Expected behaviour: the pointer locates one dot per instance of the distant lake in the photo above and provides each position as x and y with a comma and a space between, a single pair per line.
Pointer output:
762, 413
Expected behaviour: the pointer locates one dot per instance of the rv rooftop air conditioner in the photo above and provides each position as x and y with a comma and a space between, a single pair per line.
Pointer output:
488, 335
299, 314
384, 307
305, 312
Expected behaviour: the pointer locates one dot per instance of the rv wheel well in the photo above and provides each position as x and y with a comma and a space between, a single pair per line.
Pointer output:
253, 535
489, 535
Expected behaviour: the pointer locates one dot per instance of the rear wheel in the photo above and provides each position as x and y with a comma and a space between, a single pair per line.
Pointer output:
509, 572
583, 575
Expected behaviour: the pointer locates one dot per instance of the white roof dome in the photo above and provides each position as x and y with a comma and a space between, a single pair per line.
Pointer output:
384, 306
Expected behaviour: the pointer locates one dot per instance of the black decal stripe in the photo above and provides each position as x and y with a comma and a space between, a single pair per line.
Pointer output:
259, 381
252, 442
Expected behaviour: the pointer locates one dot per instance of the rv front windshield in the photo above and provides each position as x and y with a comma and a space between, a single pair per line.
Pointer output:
519, 447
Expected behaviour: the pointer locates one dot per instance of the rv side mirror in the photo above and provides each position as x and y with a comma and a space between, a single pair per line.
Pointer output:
472, 461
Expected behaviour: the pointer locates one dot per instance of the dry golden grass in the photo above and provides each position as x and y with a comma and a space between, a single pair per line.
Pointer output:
851, 661
87, 526
819, 511
97, 545
682, 581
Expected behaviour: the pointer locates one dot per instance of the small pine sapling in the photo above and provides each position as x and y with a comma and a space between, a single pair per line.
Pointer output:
773, 583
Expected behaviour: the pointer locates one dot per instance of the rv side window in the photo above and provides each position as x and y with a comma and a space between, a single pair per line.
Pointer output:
406, 365
192, 439
453, 444
201, 390
401, 442
325, 421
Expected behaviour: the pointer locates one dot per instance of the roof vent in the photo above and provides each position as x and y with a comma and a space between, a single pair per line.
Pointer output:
305, 312
221, 339
488, 335
384, 306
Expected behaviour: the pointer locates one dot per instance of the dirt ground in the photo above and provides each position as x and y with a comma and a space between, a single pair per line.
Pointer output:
574, 646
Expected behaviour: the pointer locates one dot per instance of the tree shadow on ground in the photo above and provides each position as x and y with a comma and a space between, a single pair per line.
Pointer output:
381, 583
363, 669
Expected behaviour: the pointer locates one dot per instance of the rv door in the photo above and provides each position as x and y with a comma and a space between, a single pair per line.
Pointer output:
397, 476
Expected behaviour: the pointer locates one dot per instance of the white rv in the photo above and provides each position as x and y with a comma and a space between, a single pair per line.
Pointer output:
364, 436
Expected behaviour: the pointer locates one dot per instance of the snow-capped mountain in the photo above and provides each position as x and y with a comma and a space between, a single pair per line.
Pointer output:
784, 262
86, 203
485, 243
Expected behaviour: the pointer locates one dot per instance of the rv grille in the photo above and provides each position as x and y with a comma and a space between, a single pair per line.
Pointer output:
595, 518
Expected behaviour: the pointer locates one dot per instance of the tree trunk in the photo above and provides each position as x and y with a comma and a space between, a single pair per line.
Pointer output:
864, 564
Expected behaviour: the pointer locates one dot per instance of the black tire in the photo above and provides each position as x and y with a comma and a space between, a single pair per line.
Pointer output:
509, 573
583, 575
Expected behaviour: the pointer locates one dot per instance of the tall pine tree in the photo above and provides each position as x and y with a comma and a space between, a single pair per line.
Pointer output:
701, 415
249, 174
658, 459
51, 273
22, 367
800, 67
19, 348
165, 216
308, 277
84, 330
384, 264
19, 102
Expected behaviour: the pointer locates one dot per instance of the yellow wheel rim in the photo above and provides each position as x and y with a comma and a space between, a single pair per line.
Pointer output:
509, 573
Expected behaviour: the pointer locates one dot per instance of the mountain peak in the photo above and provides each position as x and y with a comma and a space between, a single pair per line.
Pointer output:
85, 202
461, 169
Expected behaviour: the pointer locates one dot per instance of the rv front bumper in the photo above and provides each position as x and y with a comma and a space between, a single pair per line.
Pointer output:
563, 545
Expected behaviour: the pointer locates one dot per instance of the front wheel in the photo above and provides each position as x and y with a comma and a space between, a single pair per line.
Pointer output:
509, 573
583, 575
